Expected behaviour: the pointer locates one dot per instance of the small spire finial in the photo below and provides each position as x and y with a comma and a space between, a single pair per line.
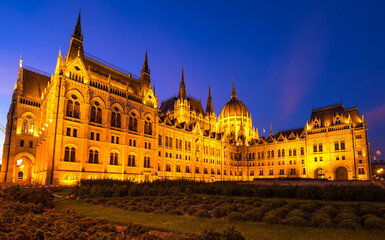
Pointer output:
20, 62
145, 67
271, 130
209, 106
182, 87
78, 28
233, 92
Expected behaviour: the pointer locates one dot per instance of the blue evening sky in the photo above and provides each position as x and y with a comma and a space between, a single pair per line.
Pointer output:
287, 56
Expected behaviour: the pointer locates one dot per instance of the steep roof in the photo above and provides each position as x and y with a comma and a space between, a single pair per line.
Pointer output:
326, 114
34, 83
99, 68
195, 105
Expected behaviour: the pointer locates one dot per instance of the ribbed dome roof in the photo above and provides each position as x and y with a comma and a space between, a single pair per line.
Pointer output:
234, 107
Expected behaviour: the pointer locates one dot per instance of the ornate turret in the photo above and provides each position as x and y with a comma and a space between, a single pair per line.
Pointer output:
209, 107
76, 45
78, 29
145, 67
145, 77
182, 87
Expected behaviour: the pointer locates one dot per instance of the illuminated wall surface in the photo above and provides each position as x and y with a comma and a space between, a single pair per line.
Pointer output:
90, 120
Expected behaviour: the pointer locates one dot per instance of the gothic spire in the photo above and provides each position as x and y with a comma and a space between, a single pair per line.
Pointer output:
78, 29
271, 130
209, 107
145, 67
182, 87
233, 93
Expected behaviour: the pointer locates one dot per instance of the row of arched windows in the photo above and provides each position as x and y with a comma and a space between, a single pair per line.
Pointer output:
280, 152
73, 110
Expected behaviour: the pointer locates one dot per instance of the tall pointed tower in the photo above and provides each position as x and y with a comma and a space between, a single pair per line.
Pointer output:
182, 104
210, 114
145, 77
182, 87
76, 45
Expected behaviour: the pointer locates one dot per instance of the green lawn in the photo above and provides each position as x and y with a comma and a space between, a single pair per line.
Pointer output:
185, 224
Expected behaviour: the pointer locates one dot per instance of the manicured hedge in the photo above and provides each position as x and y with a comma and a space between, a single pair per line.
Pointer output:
115, 188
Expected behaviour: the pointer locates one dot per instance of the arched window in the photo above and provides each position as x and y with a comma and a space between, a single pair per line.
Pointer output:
131, 160
268, 154
116, 118
99, 115
294, 152
113, 119
160, 140
73, 153
70, 107
279, 152
77, 110
180, 144
93, 114
302, 151
342, 145
133, 123
315, 147
148, 127
166, 141
20, 175
146, 162
189, 146
336, 146
319, 173
93, 156
283, 152
170, 142
67, 154
320, 148
24, 128
114, 158
272, 153
290, 153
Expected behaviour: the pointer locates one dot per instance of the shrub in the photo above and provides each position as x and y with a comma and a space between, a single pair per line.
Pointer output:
322, 221
272, 219
253, 215
134, 230
191, 211
277, 212
347, 216
374, 223
296, 221
349, 224
218, 212
329, 210
309, 207
297, 213
235, 216
202, 214
231, 234
367, 208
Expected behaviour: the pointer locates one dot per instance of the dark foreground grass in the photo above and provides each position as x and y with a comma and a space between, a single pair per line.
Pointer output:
185, 224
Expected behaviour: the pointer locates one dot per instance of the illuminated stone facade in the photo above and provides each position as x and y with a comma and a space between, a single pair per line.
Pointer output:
93, 120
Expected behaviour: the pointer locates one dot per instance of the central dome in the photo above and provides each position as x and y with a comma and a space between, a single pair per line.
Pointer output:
234, 108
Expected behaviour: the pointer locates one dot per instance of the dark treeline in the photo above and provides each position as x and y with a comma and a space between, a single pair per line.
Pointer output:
115, 188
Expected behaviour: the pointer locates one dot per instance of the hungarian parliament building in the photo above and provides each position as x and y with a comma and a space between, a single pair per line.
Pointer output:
92, 120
